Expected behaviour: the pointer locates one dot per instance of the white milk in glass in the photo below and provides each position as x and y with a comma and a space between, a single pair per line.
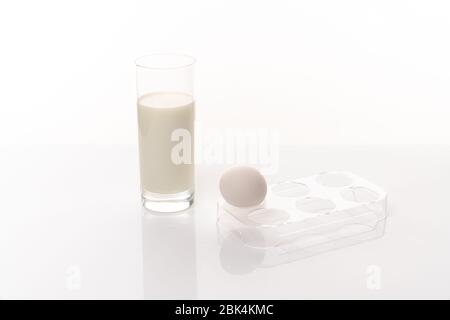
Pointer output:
159, 115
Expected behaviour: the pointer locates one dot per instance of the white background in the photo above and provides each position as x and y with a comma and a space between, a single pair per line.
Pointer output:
319, 71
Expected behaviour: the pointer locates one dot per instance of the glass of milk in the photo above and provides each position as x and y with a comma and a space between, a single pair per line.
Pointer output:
166, 115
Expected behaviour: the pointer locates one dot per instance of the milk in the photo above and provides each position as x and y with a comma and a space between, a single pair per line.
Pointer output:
159, 115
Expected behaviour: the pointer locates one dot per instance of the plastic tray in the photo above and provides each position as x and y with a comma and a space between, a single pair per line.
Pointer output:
306, 216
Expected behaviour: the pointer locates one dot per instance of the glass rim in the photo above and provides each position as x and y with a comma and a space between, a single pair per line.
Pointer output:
177, 61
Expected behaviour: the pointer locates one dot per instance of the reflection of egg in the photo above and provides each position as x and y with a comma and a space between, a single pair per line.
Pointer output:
243, 187
236, 257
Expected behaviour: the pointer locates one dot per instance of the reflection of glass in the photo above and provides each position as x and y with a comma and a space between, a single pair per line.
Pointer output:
169, 257
166, 131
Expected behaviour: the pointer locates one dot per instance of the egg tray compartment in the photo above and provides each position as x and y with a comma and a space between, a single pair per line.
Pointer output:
330, 209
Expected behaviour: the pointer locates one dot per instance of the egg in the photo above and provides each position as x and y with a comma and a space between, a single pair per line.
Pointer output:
243, 186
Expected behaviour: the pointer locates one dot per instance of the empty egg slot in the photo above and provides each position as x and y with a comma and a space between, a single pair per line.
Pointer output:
290, 189
360, 194
315, 205
334, 179
268, 216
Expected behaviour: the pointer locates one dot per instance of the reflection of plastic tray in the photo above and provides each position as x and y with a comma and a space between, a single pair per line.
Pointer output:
308, 215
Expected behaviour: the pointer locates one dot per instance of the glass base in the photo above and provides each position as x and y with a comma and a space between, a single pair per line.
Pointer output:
167, 203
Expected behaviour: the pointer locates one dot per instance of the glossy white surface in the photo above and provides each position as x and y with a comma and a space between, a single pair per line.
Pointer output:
71, 226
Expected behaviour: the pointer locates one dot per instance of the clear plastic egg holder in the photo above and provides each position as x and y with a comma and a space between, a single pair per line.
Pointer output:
319, 212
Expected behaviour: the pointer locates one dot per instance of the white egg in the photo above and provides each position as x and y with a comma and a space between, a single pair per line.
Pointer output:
243, 186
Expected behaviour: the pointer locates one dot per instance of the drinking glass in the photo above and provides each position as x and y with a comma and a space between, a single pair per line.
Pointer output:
166, 112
